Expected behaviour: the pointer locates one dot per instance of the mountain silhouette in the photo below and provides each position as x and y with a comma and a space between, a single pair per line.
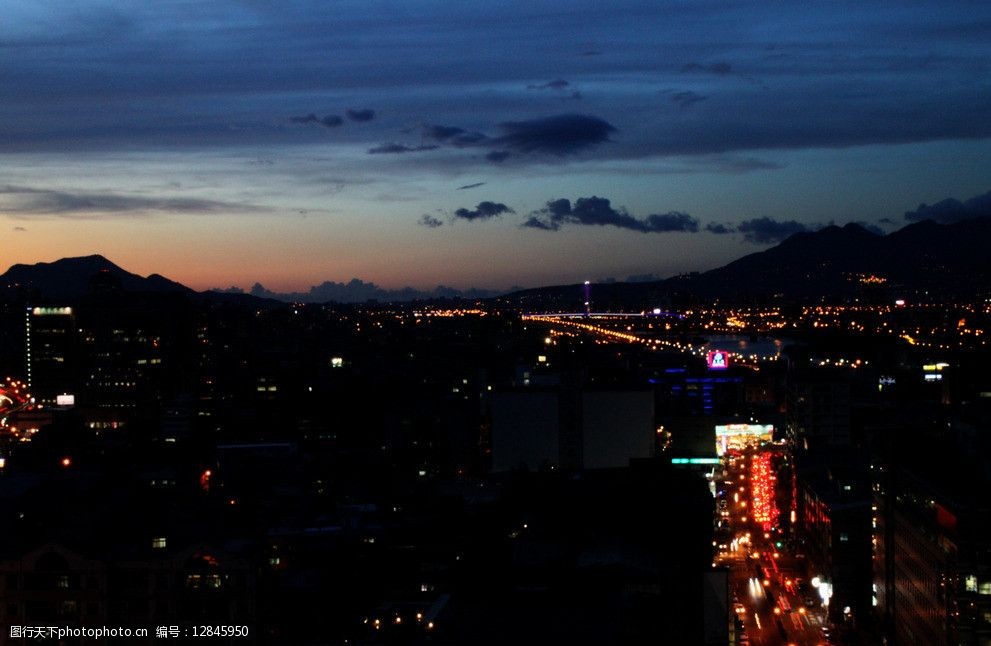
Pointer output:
833, 262
71, 278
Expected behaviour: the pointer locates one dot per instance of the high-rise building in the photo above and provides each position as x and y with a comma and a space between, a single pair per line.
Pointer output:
571, 428
51, 346
932, 579
834, 518
819, 409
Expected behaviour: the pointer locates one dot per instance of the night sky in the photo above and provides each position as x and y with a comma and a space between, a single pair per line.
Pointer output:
484, 144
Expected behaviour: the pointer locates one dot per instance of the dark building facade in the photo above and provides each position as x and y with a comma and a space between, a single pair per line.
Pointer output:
835, 509
931, 562
51, 352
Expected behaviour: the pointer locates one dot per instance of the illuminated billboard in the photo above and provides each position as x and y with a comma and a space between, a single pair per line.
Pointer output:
51, 311
717, 360
933, 371
740, 436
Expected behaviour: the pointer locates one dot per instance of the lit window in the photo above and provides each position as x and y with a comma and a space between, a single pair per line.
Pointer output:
970, 583
844, 537
158, 543
985, 587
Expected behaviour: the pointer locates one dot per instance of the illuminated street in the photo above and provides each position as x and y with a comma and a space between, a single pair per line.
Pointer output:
770, 596
13, 396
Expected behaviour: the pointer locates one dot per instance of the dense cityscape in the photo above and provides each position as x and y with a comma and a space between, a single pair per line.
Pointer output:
549, 323
471, 473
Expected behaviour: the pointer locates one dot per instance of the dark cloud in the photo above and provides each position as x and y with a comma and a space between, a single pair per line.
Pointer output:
767, 231
331, 120
721, 68
453, 135
429, 221
734, 164
953, 210
560, 209
642, 278
672, 221
22, 201
556, 84
820, 93
469, 139
363, 114
484, 211
442, 133
534, 222
686, 99
599, 212
557, 135
467, 186
719, 229
396, 149
19, 229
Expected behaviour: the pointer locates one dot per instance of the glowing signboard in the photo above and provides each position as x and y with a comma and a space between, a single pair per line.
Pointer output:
717, 360
739, 436
51, 311
694, 460
934, 370
756, 430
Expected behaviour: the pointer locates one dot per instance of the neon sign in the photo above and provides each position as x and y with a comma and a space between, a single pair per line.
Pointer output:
717, 360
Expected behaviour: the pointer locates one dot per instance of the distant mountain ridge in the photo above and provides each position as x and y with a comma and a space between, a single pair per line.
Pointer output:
358, 291
70, 278
831, 262
924, 255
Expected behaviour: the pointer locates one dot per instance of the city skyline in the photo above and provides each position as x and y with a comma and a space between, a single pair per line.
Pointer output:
530, 144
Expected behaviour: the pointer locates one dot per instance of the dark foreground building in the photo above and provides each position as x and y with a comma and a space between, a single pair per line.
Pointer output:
932, 539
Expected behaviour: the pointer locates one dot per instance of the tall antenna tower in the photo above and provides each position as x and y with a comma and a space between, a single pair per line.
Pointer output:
588, 298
